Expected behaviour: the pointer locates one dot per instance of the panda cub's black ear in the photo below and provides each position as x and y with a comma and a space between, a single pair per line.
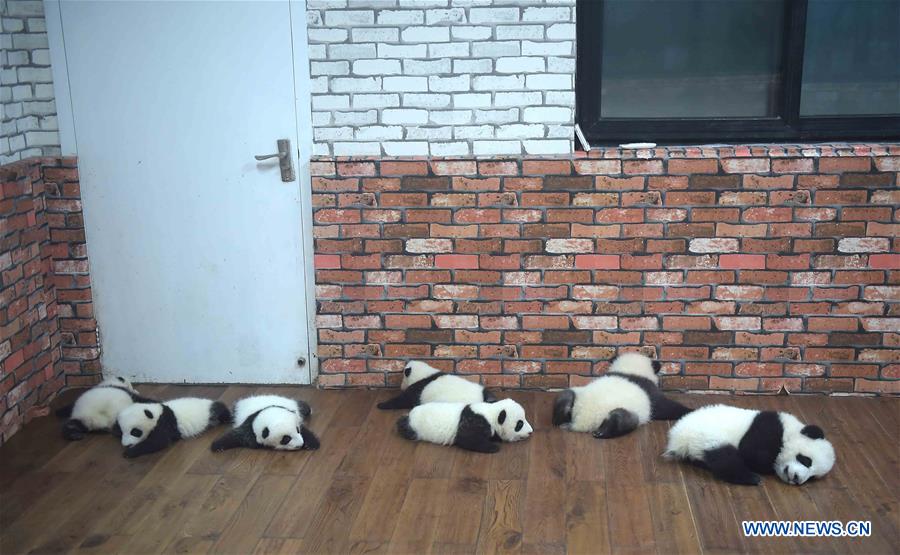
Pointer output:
501, 418
148, 414
813, 432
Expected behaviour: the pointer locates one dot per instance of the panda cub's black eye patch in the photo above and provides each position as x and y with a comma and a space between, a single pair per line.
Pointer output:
519, 425
804, 460
148, 414
265, 433
136, 432
121, 379
407, 371
285, 440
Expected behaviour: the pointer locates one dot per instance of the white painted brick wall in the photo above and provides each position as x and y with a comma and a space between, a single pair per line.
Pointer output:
442, 77
28, 125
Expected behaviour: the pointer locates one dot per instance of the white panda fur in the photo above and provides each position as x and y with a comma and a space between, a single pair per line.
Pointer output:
423, 383
268, 422
473, 426
616, 403
97, 408
150, 427
738, 444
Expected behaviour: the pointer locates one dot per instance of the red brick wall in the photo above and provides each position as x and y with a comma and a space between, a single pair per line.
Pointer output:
48, 336
739, 268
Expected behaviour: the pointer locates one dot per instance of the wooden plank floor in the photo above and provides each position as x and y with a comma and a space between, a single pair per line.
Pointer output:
369, 491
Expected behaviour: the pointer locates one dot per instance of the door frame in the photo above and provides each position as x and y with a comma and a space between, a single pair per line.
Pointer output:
303, 150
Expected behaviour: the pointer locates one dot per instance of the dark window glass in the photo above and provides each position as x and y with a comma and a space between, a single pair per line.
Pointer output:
676, 71
851, 64
691, 58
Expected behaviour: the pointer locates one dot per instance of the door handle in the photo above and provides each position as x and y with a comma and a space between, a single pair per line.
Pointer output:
285, 161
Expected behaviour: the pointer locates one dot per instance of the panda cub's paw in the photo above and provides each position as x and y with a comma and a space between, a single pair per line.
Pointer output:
305, 409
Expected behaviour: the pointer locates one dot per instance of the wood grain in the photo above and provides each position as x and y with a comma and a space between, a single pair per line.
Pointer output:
369, 491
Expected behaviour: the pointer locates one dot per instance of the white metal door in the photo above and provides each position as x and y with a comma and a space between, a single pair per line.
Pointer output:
196, 250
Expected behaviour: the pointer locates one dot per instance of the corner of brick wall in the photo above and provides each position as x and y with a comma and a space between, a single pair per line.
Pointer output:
741, 269
48, 335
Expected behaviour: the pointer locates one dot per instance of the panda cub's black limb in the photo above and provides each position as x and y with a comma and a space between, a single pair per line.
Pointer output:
616, 403
474, 426
423, 383
405, 429
268, 422
562, 407
150, 427
96, 409
738, 445
618, 423
219, 414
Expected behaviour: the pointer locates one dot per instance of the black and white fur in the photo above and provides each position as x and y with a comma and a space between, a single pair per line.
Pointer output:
150, 427
268, 422
474, 426
737, 445
616, 403
423, 383
97, 408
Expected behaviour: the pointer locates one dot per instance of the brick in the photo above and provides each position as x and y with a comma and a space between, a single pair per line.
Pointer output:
745, 165
741, 261
863, 244
698, 181
545, 167
817, 181
327, 261
404, 168
639, 323
598, 167
605, 183
456, 261
569, 245
885, 261
792, 165
713, 245
594, 323
687, 167
428, 245
667, 182
684, 198
640, 167
597, 261
715, 214
847, 164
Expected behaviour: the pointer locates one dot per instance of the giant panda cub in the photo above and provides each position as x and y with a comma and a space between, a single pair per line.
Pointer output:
474, 426
96, 409
737, 445
150, 427
423, 383
268, 422
617, 402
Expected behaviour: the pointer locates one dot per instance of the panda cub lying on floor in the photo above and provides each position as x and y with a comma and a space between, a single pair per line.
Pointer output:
150, 427
96, 409
474, 426
423, 383
617, 402
268, 422
737, 445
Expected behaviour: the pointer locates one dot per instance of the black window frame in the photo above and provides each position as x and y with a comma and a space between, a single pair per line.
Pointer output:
789, 127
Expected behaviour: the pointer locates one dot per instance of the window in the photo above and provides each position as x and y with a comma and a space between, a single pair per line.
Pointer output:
738, 70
